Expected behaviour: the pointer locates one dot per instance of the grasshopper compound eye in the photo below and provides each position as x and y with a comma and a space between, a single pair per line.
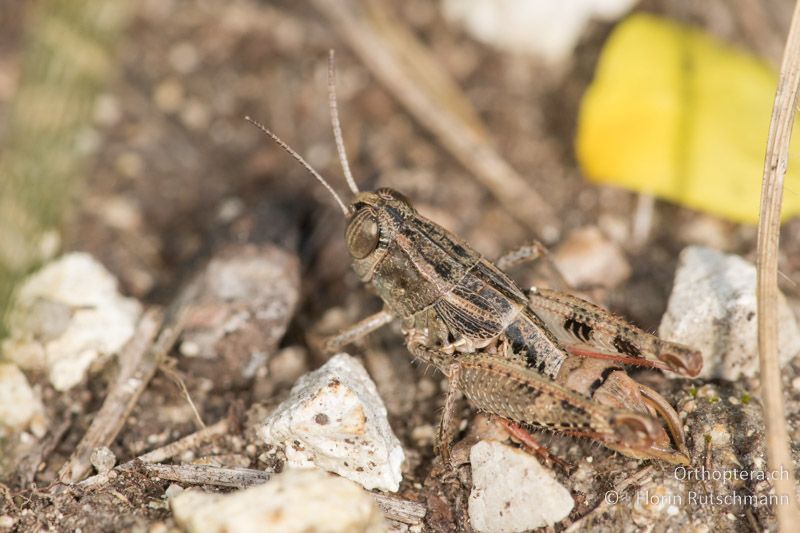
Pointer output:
362, 234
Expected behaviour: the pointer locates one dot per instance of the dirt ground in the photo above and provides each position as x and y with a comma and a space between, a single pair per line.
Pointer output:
177, 175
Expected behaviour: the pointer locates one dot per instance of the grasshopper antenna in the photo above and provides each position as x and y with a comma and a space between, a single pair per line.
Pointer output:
302, 161
337, 128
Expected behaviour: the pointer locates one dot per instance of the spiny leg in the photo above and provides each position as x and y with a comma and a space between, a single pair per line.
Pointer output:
528, 253
522, 254
531, 443
576, 321
603, 334
523, 396
447, 432
442, 358
580, 351
358, 330
526, 397
610, 386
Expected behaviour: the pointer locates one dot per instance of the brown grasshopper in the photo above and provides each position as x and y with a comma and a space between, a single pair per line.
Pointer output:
541, 358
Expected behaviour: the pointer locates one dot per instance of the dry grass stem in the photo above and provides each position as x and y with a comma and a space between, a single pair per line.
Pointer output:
137, 366
163, 453
393, 508
775, 167
178, 380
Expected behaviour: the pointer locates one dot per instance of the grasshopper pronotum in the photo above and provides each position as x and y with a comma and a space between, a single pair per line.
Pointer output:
540, 358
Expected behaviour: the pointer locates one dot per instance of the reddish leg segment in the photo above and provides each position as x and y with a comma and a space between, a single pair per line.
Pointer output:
531, 444
634, 361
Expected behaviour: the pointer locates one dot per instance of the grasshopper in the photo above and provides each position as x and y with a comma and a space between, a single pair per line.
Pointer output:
538, 358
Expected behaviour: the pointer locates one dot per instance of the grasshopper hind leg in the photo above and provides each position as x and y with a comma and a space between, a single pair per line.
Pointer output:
532, 444
615, 412
528, 398
609, 385
448, 428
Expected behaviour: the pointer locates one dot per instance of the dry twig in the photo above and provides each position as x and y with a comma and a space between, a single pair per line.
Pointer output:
188, 442
137, 366
29, 465
238, 478
178, 380
393, 508
775, 165
404, 67
169, 451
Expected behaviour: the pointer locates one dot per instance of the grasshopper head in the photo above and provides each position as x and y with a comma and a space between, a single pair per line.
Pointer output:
374, 217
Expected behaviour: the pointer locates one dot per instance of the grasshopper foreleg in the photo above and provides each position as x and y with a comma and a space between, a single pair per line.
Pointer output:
358, 330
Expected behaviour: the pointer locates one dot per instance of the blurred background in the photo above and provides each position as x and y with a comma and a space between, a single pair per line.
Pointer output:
122, 128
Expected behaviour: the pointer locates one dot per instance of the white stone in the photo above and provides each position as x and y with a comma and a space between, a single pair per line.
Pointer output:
66, 316
103, 459
713, 308
334, 419
173, 490
543, 28
20, 407
295, 501
512, 492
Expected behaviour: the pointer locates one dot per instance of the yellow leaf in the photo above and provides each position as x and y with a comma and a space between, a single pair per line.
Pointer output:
678, 114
